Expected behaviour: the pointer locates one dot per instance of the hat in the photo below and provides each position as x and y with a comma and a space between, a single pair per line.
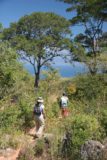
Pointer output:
64, 94
40, 99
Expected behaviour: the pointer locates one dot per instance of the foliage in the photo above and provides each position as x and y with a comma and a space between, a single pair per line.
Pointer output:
78, 129
103, 120
8, 140
7, 68
92, 20
89, 7
38, 38
90, 87
26, 115
27, 153
9, 118
39, 147
51, 81
87, 119
71, 89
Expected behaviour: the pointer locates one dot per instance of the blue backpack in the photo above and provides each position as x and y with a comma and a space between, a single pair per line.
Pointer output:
38, 110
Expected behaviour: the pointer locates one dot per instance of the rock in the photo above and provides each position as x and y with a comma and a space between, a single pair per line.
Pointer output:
92, 150
105, 152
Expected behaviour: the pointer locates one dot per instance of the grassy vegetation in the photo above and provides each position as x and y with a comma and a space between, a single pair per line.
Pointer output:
88, 113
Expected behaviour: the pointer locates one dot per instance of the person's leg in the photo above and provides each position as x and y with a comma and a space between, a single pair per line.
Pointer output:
37, 125
63, 112
41, 126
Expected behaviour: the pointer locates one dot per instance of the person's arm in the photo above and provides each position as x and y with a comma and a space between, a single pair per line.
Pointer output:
43, 112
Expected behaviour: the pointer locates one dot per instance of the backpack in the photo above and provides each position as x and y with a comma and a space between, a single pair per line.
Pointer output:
63, 102
38, 110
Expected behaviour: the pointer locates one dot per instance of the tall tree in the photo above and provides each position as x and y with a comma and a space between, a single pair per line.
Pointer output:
91, 14
38, 39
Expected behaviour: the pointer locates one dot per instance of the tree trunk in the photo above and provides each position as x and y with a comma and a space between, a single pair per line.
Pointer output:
36, 84
93, 67
37, 78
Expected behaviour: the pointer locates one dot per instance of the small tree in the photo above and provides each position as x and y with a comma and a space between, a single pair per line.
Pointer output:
38, 38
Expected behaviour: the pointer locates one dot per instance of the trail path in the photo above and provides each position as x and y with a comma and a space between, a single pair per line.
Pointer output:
12, 154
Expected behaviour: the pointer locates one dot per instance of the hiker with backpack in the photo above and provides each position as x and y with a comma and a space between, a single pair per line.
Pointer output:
39, 116
64, 105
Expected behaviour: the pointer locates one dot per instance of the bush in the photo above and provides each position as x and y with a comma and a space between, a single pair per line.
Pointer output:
26, 115
27, 153
78, 129
103, 120
88, 87
39, 147
9, 140
9, 118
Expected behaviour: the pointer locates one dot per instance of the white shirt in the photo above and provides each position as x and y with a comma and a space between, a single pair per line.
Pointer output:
64, 101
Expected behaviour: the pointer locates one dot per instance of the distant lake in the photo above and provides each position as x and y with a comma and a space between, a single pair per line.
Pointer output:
65, 69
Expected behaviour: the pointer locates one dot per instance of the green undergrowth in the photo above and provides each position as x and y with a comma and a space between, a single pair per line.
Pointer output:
87, 113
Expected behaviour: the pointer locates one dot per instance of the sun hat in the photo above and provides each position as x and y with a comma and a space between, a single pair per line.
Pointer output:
64, 94
40, 99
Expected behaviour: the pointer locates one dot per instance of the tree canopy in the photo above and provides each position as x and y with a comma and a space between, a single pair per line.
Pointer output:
38, 38
91, 15
96, 8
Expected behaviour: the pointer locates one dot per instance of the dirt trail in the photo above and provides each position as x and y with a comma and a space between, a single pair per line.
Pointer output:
12, 154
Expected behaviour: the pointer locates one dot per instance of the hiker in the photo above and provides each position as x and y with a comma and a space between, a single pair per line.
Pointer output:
39, 116
64, 105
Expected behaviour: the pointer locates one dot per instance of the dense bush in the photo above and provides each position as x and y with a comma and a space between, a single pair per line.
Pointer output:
89, 87
27, 153
26, 115
10, 140
39, 147
9, 118
103, 120
78, 129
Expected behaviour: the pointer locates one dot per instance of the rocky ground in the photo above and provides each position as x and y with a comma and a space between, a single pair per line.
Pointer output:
12, 154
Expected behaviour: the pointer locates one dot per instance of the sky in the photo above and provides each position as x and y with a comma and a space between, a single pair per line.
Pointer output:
13, 10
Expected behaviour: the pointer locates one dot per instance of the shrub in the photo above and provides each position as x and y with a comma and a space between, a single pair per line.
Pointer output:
9, 140
78, 129
27, 153
39, 147
26, 112
9, 118
103, 120
88, 87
